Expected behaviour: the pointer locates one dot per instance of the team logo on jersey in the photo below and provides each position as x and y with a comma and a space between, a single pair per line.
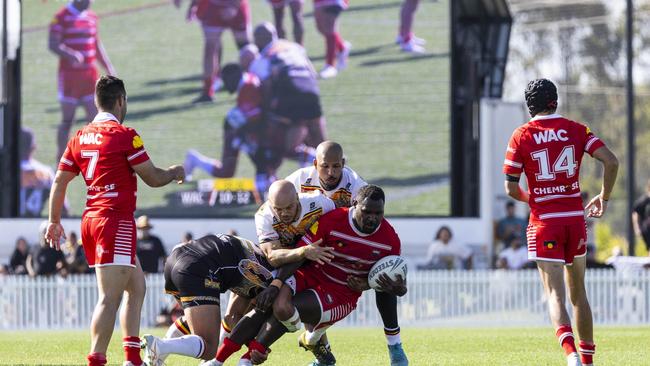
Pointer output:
376, 253
340, 244
329, 299
137, 142
549, 244
308, 181
314, 228
588, 130
312, 206
212, 281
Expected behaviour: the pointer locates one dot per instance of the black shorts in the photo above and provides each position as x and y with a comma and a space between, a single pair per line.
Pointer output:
296, 95
190, 280
333, 9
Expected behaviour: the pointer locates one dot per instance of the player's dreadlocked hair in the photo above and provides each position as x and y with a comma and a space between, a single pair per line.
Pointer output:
370, 191
541, 95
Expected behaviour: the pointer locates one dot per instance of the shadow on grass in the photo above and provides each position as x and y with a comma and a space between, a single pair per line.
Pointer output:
357, 53
409, 181
180, 79
404, 58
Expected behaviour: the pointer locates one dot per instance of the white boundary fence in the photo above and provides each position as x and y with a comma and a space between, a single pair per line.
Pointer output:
452, 298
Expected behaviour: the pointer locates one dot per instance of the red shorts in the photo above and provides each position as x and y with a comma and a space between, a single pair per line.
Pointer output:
336, 301
221, 17
282, 3
77, 85
109, 241
557, 243
343, 4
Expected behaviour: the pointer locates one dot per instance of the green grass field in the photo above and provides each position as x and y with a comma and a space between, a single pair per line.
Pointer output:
390, 110
366, 346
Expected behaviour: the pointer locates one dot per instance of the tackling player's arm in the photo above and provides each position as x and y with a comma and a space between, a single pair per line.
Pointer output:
157, 177
55, 231
598, 205
278, 256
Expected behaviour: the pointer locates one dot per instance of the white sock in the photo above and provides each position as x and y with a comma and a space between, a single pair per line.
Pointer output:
173, 332
312, 337
224, 333
392, 339
203, 162
293, 323
189, 345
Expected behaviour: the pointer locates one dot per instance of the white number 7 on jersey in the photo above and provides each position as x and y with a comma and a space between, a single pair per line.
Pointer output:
93, 155
566, 163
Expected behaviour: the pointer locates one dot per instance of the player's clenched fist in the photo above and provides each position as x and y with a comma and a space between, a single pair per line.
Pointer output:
179, 173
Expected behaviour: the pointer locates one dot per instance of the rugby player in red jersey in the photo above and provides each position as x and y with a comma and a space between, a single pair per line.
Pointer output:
549, 150
215, 17
327, 292
109, 155
73, 37
337, 50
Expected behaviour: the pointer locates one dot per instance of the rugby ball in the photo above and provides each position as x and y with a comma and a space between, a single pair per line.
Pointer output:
391, 265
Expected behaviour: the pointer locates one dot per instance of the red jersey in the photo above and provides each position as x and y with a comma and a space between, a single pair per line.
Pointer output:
104, 151
249, 97
549, 150
78, 31
354, 252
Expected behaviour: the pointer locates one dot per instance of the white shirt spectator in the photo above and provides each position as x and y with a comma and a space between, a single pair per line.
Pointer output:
515, 258
447, 255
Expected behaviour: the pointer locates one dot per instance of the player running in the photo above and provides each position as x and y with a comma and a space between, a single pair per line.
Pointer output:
337, 50
406, 39
215, 17
109, 155
330, 176
74, 38
327, 293
549, 150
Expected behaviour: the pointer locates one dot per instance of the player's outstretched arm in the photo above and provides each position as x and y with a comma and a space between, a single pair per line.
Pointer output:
278, 256
598, 205
157, 177
55, 231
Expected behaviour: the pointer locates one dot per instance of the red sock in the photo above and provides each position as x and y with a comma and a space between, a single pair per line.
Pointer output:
96, 359
257, 346
339, 42
564, 334
587, 350
182, 326
226, 349
207, 86
246, 356
131, 347
330, 53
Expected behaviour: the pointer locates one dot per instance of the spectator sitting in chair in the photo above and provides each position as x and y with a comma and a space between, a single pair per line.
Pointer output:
17, 263
515, 256
45, 261
444, 253
149, 248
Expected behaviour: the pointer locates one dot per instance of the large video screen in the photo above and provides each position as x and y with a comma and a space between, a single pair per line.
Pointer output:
389, 109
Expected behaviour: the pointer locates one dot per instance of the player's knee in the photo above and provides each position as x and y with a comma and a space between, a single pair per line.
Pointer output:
110, 301
230, 319
283, 309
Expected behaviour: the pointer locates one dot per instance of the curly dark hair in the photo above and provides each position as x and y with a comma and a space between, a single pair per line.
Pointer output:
541, 95
370, 191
